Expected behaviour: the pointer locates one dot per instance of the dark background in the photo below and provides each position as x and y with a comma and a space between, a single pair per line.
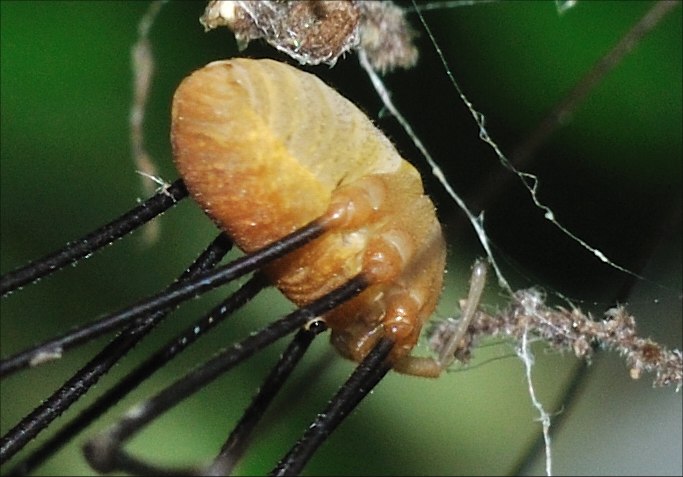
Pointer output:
612, 175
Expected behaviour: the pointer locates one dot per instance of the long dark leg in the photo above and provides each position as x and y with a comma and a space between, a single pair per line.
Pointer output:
87, 376
141, 373
75, 387
168, 298
240, 437
78, 249
362, 381
105, 453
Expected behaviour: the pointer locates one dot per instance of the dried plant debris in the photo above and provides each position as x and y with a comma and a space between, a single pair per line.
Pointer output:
568, 329
386, 36
310, 32
314, 32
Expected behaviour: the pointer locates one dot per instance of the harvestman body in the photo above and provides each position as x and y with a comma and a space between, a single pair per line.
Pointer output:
265, 148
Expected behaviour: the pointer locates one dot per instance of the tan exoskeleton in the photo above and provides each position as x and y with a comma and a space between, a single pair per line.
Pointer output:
265, 149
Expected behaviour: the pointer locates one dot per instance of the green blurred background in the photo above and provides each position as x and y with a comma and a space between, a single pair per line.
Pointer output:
612, 176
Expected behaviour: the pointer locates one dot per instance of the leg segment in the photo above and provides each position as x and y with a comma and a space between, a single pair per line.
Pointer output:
432, 368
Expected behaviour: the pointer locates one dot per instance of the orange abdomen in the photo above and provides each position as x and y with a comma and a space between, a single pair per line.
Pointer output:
265, 148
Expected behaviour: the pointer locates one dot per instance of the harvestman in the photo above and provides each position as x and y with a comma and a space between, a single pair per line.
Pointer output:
346, 233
